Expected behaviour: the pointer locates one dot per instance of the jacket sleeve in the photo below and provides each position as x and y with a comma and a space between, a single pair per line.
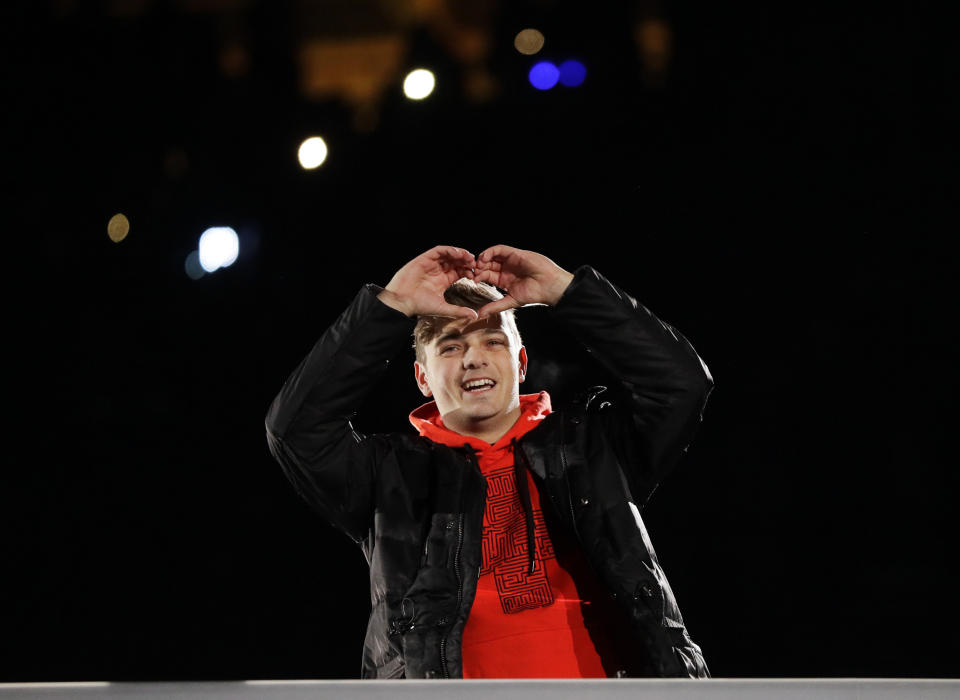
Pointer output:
665, 382
332, 466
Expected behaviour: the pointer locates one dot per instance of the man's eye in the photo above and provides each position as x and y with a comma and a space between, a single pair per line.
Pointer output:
446, 348
496, 342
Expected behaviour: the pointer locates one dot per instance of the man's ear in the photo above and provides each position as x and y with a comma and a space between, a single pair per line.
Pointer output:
421, 376
522, 359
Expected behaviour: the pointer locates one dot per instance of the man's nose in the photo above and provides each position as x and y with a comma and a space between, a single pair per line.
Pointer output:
473, 357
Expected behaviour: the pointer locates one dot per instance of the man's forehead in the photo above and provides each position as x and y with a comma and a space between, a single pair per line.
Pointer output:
463, 326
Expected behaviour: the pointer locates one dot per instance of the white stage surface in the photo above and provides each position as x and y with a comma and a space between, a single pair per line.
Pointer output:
603, 689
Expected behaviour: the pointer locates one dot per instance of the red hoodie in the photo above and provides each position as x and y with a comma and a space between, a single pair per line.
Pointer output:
521, 625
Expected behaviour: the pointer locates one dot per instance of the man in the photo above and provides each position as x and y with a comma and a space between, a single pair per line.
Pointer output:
505, 540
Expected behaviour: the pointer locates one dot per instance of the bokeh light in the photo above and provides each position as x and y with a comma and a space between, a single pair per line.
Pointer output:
544, 75
312, 153
418, 84
118, 227
528, 41
654, 40
192, 266
572, 73
218, 247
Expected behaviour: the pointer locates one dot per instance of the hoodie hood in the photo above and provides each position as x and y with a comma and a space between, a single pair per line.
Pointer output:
429, 423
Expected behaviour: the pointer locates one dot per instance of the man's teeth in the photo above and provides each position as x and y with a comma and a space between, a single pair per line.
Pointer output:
478, 384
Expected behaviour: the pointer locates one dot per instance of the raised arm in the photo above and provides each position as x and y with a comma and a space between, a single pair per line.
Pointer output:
664, 381
308, 424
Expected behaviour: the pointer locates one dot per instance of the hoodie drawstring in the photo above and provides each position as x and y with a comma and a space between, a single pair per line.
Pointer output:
523, 488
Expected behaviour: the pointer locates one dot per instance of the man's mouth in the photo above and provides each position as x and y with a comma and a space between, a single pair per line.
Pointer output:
476, 386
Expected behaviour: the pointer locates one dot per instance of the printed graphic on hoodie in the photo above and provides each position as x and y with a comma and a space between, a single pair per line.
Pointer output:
505, 545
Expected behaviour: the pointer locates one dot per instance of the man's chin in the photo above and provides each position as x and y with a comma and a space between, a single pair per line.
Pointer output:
476, 415
480, 416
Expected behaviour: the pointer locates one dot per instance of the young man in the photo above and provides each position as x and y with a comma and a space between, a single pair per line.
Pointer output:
505, 540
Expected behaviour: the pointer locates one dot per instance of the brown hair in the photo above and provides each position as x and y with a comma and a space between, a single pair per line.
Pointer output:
463, 292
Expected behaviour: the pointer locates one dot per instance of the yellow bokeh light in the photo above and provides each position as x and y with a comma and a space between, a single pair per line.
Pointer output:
528, 41
118, 227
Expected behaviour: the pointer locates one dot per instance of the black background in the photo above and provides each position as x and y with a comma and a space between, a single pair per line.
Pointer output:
783, 199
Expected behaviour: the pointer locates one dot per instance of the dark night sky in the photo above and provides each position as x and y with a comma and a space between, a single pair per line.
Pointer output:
782, 199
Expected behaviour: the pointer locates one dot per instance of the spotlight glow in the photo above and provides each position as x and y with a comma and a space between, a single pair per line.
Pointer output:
218, 247
312, 153
544, 75
418, 84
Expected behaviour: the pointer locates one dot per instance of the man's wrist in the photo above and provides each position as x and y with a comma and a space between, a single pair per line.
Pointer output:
559, 286
396, 302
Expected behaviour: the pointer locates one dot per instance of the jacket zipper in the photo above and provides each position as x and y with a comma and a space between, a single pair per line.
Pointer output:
401, 624
456, 570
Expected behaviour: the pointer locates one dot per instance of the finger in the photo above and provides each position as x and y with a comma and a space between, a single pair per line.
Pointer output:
453, 273
458, 273
451, 254
508, 302
497, 252
452, 311
489, 265
502, 280
450, 276
449, 251
489, 276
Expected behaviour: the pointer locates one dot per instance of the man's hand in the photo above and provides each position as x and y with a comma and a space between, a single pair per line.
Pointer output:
417, 288
527, 277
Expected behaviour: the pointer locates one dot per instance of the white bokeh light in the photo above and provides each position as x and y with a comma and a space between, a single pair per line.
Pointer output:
312, 153
418, 84
218, 247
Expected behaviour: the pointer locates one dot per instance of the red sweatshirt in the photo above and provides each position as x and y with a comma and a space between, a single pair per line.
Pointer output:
521, 625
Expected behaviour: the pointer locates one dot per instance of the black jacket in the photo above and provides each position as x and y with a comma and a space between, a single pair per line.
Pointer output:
416, 507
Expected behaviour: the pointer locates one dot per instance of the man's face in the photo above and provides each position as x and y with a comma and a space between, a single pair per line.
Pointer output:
473, 370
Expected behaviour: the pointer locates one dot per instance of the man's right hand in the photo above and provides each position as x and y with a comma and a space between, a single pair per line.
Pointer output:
417, 288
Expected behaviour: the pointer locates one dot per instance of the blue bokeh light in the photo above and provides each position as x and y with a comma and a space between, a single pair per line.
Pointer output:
572, 73
544, 75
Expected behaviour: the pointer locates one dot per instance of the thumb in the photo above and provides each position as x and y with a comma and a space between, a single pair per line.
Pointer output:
508, 302
453, 311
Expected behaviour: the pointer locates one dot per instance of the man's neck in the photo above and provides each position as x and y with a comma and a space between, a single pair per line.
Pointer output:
489, 430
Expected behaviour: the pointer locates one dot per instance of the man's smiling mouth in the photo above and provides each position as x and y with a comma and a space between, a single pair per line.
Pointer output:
475, 386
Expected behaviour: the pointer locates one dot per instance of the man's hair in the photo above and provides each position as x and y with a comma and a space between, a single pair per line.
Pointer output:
463, 292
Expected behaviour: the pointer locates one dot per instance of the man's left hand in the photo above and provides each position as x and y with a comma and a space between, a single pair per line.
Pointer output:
527, 278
